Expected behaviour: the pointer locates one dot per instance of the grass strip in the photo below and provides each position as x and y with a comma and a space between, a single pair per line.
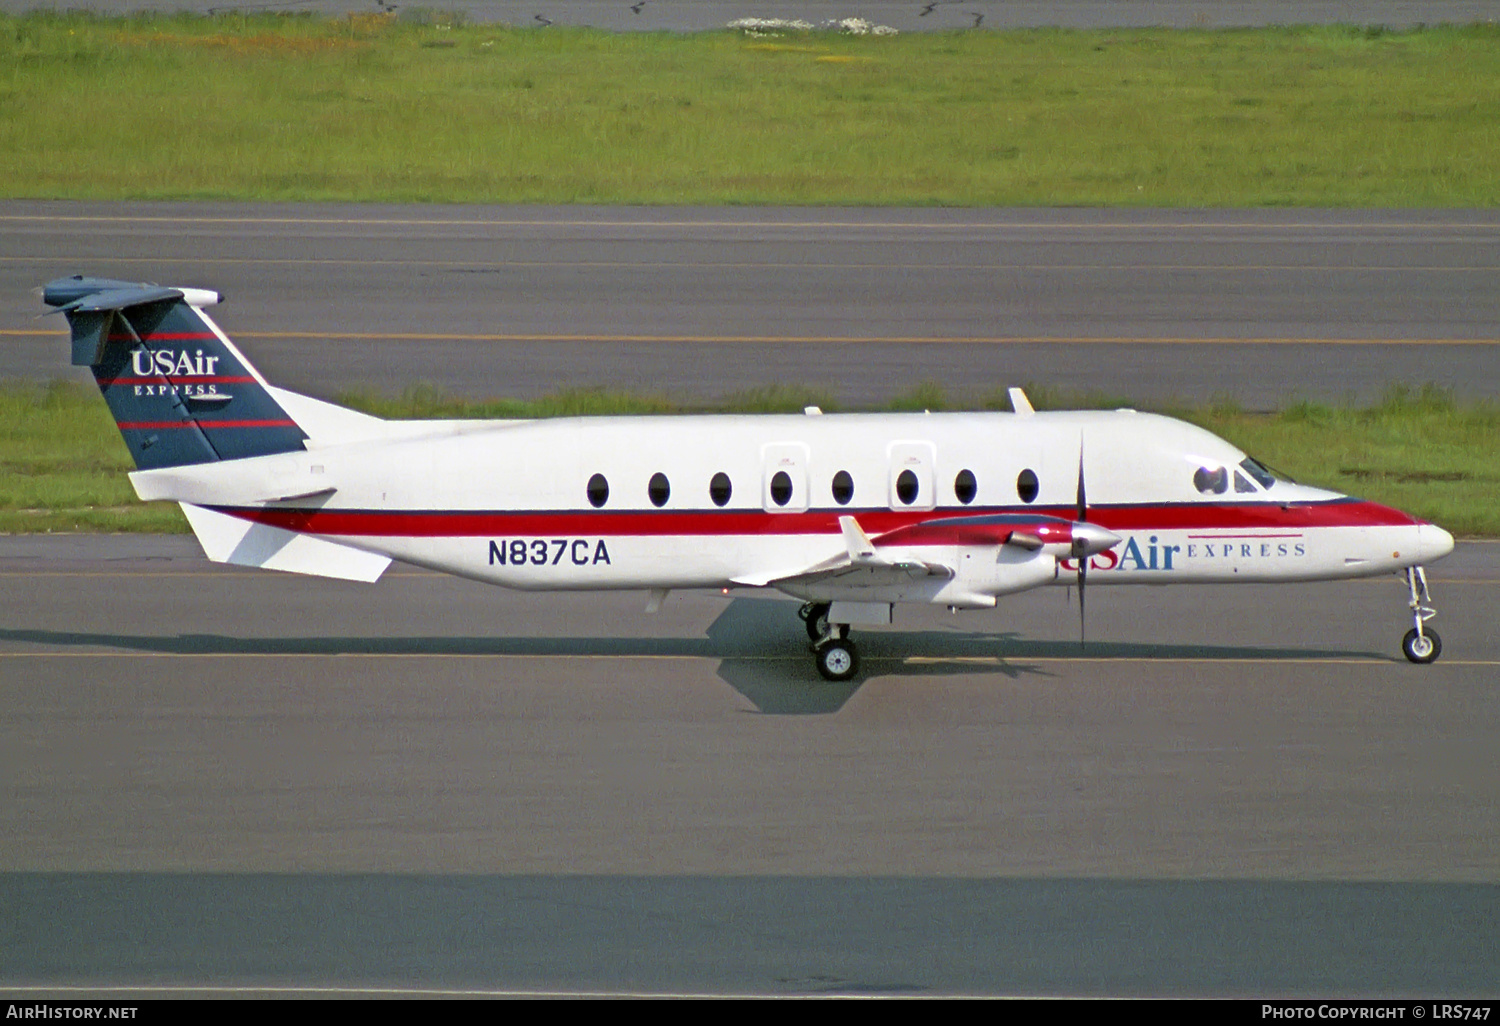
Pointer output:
63, 463
372, 108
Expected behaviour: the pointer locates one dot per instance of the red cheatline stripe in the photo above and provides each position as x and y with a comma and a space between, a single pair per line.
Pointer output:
535, 524
1249, 515
158, 425
180, 379
170, 336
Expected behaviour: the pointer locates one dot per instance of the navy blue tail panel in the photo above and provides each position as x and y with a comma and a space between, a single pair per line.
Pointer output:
178, 393
152, 416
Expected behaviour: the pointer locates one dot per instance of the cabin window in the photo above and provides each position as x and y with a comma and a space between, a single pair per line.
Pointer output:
906, 487
658, 490
965, 487
1027, 486
1211, 480
720, 489
598, 491
781, 488
843, 488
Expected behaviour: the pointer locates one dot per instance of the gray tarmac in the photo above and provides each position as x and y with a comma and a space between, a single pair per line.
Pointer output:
1142, 305
227, 778
906, 16
233, 779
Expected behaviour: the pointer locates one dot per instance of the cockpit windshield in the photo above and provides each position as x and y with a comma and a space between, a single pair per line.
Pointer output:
1216, 479
1262, 476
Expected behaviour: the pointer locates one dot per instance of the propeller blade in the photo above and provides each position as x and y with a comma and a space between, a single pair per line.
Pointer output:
1084, 556
1083, 576
1083, 500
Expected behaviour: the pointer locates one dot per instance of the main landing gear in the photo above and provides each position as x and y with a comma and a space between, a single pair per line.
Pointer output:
1421, 645
835, 654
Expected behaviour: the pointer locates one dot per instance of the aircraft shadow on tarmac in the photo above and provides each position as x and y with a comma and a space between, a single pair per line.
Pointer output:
788, 683
762, 651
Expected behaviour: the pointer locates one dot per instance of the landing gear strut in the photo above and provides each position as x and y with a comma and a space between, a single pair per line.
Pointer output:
815, 615
1421, 644
835, 654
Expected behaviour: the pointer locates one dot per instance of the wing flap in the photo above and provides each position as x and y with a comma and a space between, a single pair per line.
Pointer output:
869, 575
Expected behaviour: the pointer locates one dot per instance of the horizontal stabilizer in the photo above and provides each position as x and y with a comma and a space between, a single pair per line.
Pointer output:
119, 299
93, 295
227, 539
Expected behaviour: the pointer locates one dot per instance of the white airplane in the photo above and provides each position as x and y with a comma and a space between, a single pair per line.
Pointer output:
850, 513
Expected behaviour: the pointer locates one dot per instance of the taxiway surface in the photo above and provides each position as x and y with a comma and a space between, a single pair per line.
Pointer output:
226, 777
1259, 306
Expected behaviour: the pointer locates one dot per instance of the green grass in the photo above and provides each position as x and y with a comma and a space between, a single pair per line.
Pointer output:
370, 109
427, 401
63, 464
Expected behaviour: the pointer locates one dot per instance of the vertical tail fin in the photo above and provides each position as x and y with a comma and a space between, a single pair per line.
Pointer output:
180, 391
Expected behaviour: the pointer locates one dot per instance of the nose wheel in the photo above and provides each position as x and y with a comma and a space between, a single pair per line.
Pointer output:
1421, 644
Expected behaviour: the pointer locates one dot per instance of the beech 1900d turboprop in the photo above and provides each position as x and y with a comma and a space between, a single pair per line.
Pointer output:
851, 513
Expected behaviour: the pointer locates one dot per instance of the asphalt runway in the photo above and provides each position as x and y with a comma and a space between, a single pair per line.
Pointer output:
229, 778
860, 304
906, 16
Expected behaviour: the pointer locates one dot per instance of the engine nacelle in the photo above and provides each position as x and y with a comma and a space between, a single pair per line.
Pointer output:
986, 571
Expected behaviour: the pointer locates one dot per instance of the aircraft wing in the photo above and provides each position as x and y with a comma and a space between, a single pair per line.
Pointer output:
860, 566
866, 565
860, 576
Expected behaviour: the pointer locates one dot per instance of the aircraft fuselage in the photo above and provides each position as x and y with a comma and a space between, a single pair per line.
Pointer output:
510, 504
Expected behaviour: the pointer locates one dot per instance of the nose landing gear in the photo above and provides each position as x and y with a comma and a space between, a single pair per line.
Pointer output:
1421, 645
836, 657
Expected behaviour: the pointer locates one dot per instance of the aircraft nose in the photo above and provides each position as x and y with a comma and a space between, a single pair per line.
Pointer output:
1433, 542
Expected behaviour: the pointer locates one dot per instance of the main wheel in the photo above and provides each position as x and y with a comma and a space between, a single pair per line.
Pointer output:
837, 659
815, 614
1422, 648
